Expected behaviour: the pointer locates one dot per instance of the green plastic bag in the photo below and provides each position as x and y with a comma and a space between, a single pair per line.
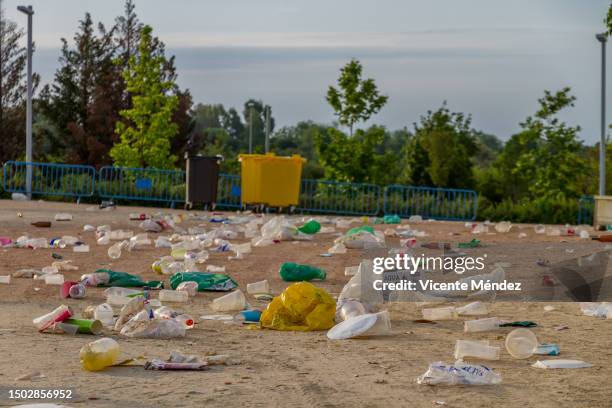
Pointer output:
206, 281
392, 219
474, 243
292, 272
357, 230
310, 228
127, 280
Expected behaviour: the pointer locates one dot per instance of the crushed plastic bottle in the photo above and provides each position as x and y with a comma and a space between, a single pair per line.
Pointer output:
459, 374
114, 252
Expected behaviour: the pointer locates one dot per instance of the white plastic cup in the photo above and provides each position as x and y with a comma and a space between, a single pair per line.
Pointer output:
476, 349
104, 313
440, 313
481, 325
177, 296
80, 248
521, 343
55, 279
231, 301
258, 287
6, 279
473, 309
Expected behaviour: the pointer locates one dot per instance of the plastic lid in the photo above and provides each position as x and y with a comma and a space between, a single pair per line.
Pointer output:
352, 327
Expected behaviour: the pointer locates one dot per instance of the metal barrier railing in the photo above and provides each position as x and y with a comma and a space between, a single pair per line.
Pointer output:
437, 203
586, 205
141, 184
228, 191
53, 179
316, 196
333, 197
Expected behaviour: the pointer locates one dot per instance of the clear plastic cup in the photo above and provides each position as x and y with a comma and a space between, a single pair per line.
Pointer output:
476, 349
104, 313
258, 287
80, 248
481, 325
440, 313
521, 343
382, 327
6, 279
473, 309
190, 287
178, 296
351, 308
117, 300
231, 301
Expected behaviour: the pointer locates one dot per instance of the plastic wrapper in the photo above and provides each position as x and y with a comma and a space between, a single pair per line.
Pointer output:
154, 329
206, 281
459, 373
301, 307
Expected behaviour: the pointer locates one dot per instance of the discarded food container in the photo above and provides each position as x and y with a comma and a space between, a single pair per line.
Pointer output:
268, 179
99, 354
476, 349
231, 301
258, 287
6, 279
481, 325
440, 313
166, 295
521, 343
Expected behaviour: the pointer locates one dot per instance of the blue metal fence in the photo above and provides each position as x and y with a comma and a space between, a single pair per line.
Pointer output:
142, 184
429, 202
51, 179
228, 191
586, 206
333, 197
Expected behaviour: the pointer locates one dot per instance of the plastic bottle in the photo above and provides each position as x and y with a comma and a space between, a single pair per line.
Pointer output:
311, 227
77, 291
99, 354
231, 301
185, 320
54, 279
166, 295
292, 272
63, 217
459, 373
114, 252
104, 313
57, 243
476, 349
42, 224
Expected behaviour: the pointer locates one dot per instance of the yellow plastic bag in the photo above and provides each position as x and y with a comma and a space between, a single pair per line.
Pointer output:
301, 307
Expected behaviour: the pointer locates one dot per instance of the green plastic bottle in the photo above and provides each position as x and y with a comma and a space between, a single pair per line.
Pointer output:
292, 272
392, 219
310, 228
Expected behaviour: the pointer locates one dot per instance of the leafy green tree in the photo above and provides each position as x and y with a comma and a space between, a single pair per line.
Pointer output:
442, 150
146, 139
357, 99
552, 157
255, 110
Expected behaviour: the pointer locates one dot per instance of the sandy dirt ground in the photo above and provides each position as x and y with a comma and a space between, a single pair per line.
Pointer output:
287, 368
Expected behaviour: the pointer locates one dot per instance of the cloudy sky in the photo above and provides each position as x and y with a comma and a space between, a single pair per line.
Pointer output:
490, 58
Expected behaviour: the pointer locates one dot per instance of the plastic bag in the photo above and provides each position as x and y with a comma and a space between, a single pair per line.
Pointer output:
301, 307
124, 279
206, 281
154, 328
459, 374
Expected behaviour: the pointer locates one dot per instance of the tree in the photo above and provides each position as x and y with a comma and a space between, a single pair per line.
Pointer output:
358, 99
146, 141
255, 110
84, 100
13, 89
442, 150
552, 157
